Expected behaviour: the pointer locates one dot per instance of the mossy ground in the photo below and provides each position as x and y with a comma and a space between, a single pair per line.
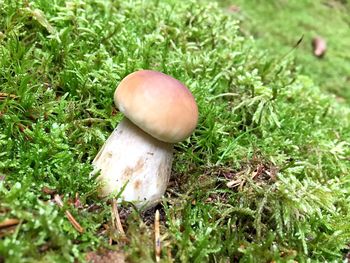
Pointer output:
278, 25
268, 131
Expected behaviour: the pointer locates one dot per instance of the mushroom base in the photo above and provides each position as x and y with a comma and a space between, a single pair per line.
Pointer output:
134, 164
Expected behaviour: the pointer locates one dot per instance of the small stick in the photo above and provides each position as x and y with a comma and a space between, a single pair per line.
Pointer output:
157, 236
9, 222
69, 216
115, 217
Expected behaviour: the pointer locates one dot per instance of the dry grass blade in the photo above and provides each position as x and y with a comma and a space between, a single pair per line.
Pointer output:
115, 218
4, 95
157, 236
9, 222
69, 216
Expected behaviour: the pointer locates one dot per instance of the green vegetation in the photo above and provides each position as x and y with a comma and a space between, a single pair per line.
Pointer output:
271, 134
277, 26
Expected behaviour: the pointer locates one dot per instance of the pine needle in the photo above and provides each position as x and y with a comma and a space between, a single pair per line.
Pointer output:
69, 216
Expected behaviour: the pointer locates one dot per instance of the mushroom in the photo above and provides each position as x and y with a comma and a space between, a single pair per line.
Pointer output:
135, 161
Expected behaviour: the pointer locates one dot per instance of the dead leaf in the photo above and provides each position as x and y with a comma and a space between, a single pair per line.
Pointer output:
319, 46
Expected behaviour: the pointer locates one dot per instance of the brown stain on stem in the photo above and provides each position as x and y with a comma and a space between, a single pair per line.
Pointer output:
137, 184
129, 171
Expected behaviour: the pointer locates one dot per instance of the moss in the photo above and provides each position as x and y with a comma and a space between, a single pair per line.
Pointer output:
280, 140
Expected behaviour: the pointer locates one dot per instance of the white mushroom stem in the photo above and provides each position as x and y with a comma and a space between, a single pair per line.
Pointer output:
135, 160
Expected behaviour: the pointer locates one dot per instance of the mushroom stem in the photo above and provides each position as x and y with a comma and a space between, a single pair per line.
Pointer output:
135, 163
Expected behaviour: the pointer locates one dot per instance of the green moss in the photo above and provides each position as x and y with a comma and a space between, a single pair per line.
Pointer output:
277, 135
277, 26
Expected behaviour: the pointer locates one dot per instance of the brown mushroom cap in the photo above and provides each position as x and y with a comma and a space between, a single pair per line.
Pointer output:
157, 103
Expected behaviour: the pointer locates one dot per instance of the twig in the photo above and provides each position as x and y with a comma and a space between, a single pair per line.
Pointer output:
157, 236
115, 218
9, 222
69, 216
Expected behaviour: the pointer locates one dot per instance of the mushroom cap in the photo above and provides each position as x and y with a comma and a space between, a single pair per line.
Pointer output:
158, 104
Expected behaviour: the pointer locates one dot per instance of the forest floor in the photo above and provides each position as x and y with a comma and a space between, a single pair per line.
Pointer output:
265, 177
